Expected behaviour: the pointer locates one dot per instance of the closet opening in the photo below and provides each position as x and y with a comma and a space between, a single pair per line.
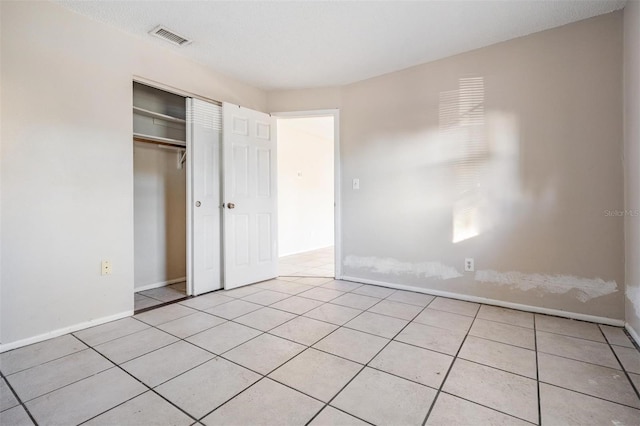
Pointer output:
160, 196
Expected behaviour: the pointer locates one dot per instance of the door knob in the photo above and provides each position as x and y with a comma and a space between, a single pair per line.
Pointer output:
198, 203
231, 205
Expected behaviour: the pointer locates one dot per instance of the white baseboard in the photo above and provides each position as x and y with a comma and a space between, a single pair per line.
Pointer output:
528, 308
633, 333
160, 284
61, 331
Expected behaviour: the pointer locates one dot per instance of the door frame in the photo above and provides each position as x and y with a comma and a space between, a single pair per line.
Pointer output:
337, 209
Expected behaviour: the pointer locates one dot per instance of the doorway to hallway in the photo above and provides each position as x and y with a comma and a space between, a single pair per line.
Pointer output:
306, 196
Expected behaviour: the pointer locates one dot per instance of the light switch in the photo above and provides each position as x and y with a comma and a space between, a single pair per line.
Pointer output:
356, 184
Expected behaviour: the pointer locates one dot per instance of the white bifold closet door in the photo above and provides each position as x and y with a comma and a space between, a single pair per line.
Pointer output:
250, 196
204, 135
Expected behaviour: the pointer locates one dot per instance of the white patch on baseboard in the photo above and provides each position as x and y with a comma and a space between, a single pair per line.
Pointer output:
587, 288
388, 265
633, 294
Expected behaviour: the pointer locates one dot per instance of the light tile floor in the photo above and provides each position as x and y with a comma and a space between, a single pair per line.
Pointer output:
324, 352
315, 263
157, 296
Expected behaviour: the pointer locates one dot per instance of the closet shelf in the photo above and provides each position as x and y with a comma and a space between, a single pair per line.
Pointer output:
139, 137
153, 114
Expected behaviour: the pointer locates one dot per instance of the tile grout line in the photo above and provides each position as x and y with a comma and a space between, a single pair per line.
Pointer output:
215, 355
626, 373
591, 396
231, 361
68, 384
307, 346
488, 407
267, 332
366, 364
139, 381
579, 360
160, 305
535, 345
45, 362
446, 376
636, 345
20, 403
115, 338
264, 376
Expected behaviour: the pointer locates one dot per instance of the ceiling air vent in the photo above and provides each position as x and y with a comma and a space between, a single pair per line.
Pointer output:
168, 35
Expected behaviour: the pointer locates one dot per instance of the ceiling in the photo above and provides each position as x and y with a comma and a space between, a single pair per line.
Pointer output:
300, 44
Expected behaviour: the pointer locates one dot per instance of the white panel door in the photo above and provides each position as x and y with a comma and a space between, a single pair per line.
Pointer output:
250, 196
204, 130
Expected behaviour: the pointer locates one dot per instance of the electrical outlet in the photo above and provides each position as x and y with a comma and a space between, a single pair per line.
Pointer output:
469, 265
356, 183
106, 267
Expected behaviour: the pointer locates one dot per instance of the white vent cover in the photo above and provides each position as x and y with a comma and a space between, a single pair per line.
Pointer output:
170, 36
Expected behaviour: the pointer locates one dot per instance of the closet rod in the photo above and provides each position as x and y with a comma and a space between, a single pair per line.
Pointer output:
160, 142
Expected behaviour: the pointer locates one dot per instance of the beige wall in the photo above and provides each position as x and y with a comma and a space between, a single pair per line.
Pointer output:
509, 154
160, 217
67, 162
632, 161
